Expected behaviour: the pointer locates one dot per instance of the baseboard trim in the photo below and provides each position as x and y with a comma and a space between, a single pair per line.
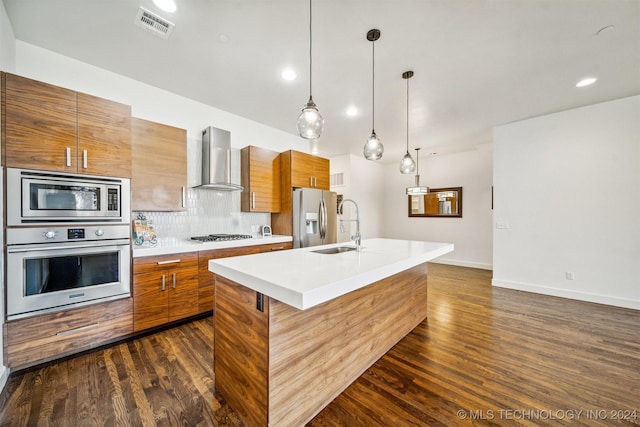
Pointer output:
4, 376
565, 293
459, 263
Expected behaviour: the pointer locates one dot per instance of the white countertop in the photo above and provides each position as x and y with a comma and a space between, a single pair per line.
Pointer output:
303, 279
167, 246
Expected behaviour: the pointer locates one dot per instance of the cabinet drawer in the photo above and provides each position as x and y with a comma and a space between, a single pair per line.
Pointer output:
165, 262
41, 338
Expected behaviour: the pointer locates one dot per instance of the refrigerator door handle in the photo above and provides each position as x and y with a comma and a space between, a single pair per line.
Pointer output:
323, 219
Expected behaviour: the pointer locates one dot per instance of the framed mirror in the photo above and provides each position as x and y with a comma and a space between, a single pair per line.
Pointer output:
438, 202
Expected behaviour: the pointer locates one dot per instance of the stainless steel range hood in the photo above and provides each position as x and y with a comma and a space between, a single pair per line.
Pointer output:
216, 160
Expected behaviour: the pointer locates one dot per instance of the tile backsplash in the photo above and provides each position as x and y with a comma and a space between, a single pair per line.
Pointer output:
208, 211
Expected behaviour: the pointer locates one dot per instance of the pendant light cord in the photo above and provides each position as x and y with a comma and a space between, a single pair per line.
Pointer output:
373, 87
310, 48
407, 116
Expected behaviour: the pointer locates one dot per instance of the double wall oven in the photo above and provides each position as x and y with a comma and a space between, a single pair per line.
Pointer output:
67, 241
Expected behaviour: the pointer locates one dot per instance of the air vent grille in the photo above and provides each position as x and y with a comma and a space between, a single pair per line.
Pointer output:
336, 179
154, 23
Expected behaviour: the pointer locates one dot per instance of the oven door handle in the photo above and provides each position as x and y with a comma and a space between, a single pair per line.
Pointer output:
49, 247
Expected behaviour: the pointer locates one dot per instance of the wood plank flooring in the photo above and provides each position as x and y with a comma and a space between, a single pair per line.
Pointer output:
484, 356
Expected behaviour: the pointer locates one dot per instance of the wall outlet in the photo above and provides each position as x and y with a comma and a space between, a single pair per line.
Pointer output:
502, 225
569, 275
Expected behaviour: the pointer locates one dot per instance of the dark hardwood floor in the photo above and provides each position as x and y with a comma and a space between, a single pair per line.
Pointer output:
484, 356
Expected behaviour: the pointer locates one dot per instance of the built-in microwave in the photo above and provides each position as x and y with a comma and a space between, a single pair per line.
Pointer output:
40, 197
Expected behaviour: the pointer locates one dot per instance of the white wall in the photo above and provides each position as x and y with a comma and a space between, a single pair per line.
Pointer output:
567, 185
7, 63
471, 234
363, 183
148, 102
7, 42
208, 211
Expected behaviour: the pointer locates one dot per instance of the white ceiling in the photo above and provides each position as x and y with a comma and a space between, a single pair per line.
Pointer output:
477, 63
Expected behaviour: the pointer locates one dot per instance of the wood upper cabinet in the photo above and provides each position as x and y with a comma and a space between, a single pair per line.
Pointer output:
48, 127
165, 288
308, 171
104, 137
159, 157
206, 279
260, 179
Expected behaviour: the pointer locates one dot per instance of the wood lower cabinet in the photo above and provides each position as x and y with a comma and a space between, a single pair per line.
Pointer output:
260, 179
47, 127
49, 336
159, 157
165, 289
206, 279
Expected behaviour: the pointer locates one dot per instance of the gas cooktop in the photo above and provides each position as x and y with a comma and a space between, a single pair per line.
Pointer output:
221, 237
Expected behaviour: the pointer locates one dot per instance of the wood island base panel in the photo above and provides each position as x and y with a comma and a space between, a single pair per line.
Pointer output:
277, 365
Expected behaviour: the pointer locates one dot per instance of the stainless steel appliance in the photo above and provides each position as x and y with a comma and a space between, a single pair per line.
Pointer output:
40, 197
52, 268
216, 160
314, 217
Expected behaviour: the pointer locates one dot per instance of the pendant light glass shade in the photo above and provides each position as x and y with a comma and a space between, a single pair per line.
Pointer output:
407, 165
373, 148
310, 122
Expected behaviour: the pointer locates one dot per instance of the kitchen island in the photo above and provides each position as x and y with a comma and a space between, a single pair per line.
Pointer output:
293, 329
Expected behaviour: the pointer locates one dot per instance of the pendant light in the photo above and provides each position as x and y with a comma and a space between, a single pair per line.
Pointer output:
417, 189
373, 148
407, 165
310, 122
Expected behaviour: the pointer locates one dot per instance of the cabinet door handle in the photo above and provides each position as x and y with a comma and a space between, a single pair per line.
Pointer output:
174, 280
184, 197
279, 248
253, 200
84, 158
310, 181
68, 156
169, 261
315, 181
163, 282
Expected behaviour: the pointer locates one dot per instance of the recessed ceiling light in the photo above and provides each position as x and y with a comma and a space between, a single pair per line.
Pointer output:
288, 74
352, 111
586, 82
166, 5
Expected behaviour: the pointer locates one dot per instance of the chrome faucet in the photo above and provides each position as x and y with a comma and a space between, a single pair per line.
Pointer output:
356, 237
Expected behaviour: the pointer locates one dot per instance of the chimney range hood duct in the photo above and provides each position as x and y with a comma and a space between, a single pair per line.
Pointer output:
216, 160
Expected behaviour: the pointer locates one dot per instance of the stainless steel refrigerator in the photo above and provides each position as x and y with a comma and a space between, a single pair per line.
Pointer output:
315, 217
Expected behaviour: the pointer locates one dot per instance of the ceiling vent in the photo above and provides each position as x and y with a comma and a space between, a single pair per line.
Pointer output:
153, 23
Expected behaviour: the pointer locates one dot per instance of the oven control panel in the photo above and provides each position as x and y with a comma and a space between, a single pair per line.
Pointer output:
75, 233
29, 235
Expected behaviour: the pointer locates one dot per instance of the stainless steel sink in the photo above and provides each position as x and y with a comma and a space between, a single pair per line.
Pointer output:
338, 250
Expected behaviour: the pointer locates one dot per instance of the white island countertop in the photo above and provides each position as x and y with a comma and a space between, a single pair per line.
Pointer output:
303, 279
